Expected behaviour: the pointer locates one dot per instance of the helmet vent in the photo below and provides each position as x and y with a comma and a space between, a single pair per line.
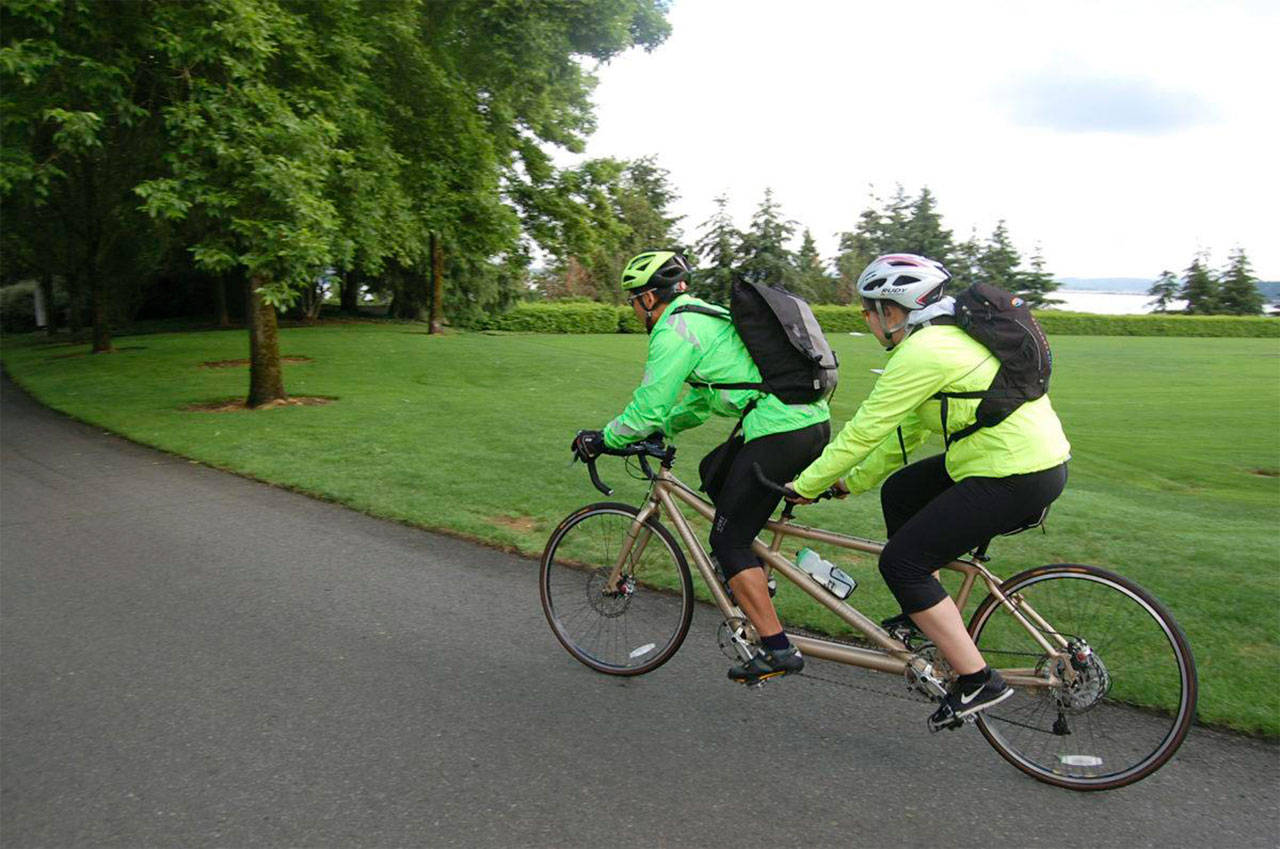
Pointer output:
906, 280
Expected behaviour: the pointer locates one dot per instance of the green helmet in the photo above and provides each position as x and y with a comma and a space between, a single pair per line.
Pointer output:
654, 270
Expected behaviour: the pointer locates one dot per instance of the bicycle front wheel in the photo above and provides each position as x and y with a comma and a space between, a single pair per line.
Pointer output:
1127, 691
625, 626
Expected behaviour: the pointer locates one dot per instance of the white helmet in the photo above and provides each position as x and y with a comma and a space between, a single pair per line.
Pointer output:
910, 281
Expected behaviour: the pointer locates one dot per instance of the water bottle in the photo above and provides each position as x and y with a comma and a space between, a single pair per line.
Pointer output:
826, 573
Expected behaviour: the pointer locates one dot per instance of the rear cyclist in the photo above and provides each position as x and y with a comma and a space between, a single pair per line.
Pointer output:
990, 482
781, 438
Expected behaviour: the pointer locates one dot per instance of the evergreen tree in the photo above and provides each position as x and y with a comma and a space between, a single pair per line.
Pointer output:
764, 253
718, 249
812, 282
901, 225
1199, 288
1164, 291
924, 234
998, 263
964, 264
1037, 283
1239, 293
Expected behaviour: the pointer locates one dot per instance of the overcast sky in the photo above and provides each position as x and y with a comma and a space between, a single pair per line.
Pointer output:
1120, 136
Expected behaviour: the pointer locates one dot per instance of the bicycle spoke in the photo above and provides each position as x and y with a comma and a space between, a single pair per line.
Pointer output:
636, 626
1126, 699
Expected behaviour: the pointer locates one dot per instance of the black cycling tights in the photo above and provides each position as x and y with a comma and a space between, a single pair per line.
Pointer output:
931, 520
745, 505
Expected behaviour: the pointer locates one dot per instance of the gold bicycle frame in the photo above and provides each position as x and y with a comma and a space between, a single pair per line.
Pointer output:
891, 655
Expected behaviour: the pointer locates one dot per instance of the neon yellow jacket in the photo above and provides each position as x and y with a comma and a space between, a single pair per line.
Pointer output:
705, 349
932, 359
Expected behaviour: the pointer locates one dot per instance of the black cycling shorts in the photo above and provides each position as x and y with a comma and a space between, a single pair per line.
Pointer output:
931, 520
744, 505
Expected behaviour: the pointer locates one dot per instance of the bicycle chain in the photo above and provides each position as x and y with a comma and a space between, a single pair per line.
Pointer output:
909, 696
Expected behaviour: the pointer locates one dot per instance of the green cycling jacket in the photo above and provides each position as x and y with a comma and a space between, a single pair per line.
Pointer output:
933, 359
690, 346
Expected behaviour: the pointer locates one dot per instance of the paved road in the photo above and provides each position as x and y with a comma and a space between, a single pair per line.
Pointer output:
192, 659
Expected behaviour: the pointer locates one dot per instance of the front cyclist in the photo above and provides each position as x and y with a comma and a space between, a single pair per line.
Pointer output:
990, 482
781, 438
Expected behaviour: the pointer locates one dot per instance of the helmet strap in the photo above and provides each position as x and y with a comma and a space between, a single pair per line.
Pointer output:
888, 332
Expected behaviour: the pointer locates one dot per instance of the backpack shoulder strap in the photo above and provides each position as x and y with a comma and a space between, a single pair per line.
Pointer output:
714, 312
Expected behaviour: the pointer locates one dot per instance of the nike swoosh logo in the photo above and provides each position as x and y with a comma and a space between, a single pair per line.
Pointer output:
964, 700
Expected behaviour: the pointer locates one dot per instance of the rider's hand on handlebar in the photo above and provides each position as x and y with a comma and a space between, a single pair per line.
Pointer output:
795, 497
588, 445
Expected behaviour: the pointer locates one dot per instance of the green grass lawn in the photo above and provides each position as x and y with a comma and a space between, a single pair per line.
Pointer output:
1174, 483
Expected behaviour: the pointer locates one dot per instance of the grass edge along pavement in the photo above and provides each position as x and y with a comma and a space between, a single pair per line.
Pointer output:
468, 434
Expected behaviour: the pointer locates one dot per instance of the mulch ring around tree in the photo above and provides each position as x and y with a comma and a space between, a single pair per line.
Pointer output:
237, 405
236, 363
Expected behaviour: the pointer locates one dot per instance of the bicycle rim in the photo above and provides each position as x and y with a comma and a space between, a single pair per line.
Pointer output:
1133, 697
633, 628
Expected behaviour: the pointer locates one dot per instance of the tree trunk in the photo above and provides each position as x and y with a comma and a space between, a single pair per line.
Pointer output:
266, 381
50, 314
350, 293
437, 285
220, 315
75, 308
101, 327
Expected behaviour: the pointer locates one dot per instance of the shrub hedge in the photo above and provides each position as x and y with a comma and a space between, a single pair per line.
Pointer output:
575, 317
1153, 324
588, 317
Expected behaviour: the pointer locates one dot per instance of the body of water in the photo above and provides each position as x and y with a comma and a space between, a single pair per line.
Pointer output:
1107, 303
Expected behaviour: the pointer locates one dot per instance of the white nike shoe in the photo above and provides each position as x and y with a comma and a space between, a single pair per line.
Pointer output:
958, 704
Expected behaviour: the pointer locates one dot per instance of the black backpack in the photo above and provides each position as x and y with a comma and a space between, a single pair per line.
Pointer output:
783, 337
1003, 323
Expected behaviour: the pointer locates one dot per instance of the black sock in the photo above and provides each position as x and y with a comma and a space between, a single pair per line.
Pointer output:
777, 642
975, 679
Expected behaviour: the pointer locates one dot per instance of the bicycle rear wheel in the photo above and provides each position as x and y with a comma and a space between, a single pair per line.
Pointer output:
1132, 692
633, 627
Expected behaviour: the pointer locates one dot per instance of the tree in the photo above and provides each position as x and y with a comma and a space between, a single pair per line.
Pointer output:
255, 129
1164, 290
79, 122
764, 253
1036, 284
965, 262
1239, 293
859, 246
923, 233
812, 282
1199, 288
900, 225
998, 263
600, 214
718, 248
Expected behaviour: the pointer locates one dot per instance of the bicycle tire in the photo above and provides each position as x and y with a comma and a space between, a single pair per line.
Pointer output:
1132, 702
629, 632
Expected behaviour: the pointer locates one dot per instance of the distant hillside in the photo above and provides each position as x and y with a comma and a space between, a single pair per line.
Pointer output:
1270, 289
